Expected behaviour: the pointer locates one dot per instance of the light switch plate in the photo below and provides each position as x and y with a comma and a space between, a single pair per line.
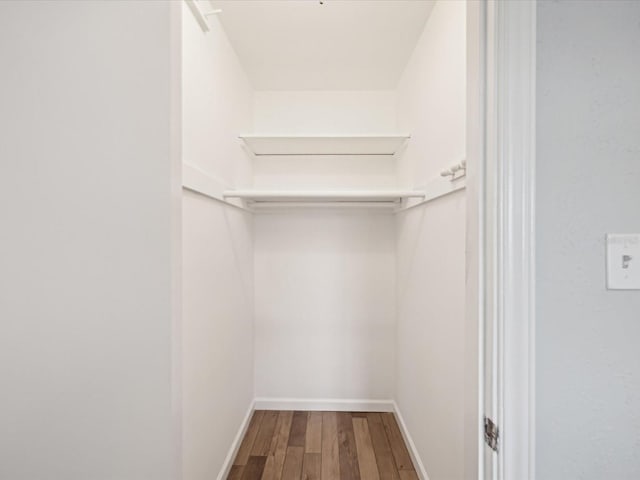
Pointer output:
623, 261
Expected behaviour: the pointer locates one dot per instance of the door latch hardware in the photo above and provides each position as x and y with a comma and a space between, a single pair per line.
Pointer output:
491, 434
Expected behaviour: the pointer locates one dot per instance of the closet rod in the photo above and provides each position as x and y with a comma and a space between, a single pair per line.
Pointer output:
385, 205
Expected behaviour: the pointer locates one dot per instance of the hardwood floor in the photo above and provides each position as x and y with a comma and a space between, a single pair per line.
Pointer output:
322, 446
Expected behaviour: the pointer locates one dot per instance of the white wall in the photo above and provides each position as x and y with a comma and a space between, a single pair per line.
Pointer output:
431, 247
85, 264
217, 103
431, 97
321, 172
588, 173
325, 305
217, 334
325, 280
325, 112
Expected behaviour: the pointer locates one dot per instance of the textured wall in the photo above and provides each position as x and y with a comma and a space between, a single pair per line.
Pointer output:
588, 175
86, 169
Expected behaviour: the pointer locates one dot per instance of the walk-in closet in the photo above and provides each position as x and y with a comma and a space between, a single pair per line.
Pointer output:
324, 174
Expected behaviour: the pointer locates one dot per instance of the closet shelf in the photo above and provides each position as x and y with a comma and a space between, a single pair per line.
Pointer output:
390, 197
324, 144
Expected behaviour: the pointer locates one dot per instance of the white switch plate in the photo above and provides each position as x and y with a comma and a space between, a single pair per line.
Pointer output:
623, 261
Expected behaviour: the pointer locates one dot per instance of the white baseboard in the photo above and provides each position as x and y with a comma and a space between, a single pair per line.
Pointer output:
413, 452
324, 404
235, 446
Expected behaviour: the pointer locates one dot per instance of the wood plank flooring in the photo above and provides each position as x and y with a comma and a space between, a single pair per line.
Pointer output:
322, 446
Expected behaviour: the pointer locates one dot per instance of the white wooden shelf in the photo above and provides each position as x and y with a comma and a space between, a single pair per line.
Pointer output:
324, 196
253, 200
324, 144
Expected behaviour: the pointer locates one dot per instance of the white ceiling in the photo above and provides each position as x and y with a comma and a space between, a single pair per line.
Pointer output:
340, 45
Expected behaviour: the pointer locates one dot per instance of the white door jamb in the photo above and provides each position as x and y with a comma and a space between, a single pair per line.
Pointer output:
512, 72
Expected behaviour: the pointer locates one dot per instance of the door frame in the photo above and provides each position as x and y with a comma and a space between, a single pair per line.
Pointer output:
509, 215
